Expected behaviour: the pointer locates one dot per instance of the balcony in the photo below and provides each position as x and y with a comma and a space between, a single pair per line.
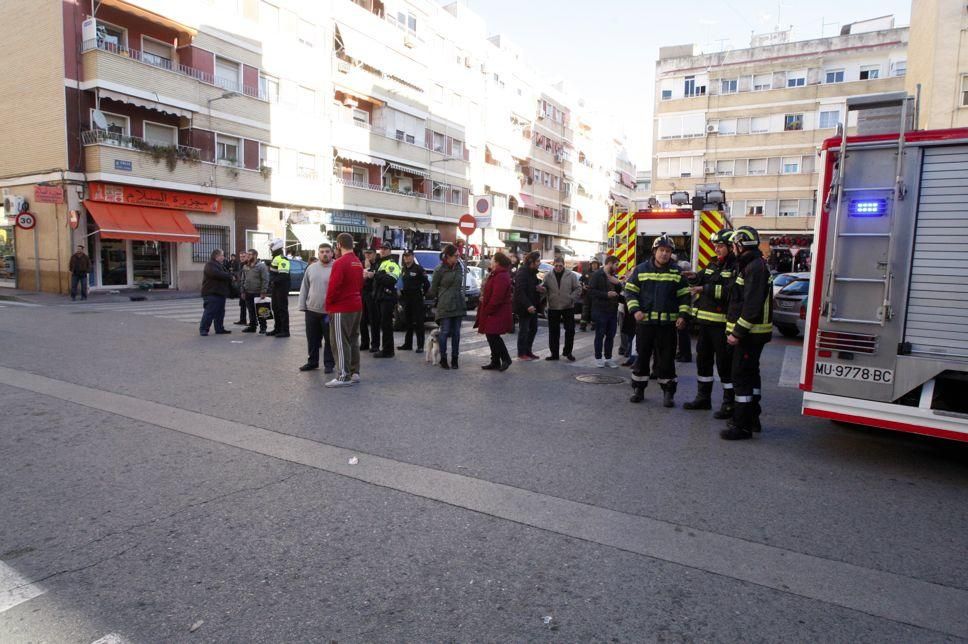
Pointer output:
539, 225
168, 82
122, 156
362, 195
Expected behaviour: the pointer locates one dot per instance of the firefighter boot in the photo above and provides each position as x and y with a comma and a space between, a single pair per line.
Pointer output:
638, 393
726, 409
739, 427
703, 397
755, 424
668, 392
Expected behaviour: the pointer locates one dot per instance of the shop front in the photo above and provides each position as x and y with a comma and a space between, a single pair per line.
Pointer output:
8, 253
307, 229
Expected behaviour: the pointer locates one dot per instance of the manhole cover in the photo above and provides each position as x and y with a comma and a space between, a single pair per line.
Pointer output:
600, 379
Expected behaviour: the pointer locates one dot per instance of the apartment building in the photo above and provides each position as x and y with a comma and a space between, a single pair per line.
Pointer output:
154, 131
938, 63
753, 119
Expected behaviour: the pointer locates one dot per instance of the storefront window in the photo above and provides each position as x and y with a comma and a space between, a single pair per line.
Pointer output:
8, 257
151, 263
114, 262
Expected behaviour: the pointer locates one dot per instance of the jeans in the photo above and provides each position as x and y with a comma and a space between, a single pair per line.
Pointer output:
606, 323
79, 279
499, 350
317, 333
214, 311
527, 329
450, 328
555, 319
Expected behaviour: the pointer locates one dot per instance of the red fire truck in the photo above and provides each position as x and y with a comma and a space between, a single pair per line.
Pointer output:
887, 320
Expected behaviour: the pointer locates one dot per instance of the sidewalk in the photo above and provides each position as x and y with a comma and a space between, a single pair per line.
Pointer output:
96, 297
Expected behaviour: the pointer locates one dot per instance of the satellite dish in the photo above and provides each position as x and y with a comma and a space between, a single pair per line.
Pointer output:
100, 122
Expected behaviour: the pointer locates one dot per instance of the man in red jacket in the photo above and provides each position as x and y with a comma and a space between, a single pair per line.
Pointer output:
344, 303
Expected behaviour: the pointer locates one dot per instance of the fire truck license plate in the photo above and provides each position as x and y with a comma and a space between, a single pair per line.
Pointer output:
851, 372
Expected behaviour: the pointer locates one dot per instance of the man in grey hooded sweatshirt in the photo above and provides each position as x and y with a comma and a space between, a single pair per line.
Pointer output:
312, 300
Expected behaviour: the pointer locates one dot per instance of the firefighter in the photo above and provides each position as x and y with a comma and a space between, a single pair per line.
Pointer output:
415, 286
279, 289
711, 287
657, 295
385, 293
749, 325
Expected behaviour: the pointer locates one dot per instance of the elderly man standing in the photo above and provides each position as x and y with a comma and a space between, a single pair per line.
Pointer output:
79, 266
562, 290
312, 301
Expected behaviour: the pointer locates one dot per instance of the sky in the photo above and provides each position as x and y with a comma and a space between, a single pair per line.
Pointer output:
606, 49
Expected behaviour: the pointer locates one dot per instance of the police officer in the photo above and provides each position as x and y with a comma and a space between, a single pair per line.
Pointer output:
279, 289
657, 295
385, 294
711, 287
415, 285
370, 322
749, 325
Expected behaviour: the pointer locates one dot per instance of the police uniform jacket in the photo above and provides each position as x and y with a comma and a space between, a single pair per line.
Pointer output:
750, 308
279, 272
660, 292
715, 280
385, 280
414, 280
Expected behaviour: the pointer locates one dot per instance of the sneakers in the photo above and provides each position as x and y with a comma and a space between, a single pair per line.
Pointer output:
336, 382
600, 363
611, 364
355, 378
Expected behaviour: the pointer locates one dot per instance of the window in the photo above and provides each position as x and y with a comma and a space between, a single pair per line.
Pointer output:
789, 208
307, 100
796, 79
268, 156
870, 72
227, 74
728, 86
209, 238
725, 168
409, 138
791, 165
792, 122
110, 37
899, 68
727, 127
829, 118
411, 22
834, 76
440, 142
691, 89
269, 88
227, 151
756, 166
359, 176
455, 196
158, 134
306, 165
762, 82
155, 52
755, 208
760, 124
117, 124
457, 149
964, 91
361, 117
666, 94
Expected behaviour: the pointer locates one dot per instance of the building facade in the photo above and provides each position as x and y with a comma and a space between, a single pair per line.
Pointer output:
753, 119
152, 132
938, 62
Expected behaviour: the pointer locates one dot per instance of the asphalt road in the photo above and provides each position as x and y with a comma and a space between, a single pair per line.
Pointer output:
153, 481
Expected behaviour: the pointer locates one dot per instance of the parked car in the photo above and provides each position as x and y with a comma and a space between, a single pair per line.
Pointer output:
297, 268
781, 280
790, 307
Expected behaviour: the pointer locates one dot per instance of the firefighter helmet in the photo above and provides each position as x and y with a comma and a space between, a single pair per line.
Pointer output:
721, 236
746, 237
663, 240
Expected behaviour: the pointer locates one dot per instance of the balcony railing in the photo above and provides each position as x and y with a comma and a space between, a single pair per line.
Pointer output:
346, 119
105, 137
184, 70
365, 185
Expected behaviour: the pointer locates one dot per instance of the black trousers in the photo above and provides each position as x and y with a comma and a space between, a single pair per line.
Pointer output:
386, 307
365, 324
254, 319
280, 307
317, 334
243, 309
660, 339
499, 350
413, 318
746, 381
527, 329
684, 344
555, 319
373, 310
712, 348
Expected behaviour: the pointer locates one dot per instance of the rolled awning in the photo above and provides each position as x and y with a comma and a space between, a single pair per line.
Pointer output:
359, 157
185, 33
564, 250
408, 169
119, 221
310, 236
349, 228
527, 201
143, 102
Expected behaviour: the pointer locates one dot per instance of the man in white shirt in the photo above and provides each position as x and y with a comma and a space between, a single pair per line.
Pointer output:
312, 301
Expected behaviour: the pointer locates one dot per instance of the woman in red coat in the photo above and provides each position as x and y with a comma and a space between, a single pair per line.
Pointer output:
494, 316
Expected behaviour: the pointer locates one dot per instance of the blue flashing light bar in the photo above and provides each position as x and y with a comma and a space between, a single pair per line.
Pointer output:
867, 208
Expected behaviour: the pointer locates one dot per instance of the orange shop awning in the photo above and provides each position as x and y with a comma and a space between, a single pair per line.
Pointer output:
119, 221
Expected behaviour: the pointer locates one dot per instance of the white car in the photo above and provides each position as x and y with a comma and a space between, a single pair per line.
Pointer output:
781, 280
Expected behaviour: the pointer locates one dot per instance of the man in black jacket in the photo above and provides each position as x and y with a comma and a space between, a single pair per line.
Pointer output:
385, 294
603, 291
415, 285
527, 297
215, 288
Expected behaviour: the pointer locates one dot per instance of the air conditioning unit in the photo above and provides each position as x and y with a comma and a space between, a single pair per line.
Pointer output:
343, 66
712, 127
409, 42
13, 205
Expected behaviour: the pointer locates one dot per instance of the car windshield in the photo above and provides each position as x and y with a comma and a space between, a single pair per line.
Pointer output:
429, 259
796, 287
784, 279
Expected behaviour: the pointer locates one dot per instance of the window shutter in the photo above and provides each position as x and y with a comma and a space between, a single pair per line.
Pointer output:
808, 164
773, 165
806, 207
429, 139
737, 208
813, 75
779, 80
740, 167
743, 126
769, 207
745, 83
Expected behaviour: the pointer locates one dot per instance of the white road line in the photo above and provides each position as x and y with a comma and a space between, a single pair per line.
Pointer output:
790, 372
14, 589
13, 303
110, 638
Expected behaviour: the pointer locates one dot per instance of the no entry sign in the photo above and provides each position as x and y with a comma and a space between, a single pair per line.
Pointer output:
467, 224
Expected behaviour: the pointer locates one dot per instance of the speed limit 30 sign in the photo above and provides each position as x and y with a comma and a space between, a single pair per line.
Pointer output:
26, 221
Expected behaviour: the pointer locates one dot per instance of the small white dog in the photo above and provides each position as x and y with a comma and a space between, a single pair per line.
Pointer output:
432, 354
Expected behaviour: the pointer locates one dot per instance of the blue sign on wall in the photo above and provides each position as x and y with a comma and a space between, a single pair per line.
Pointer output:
122, 165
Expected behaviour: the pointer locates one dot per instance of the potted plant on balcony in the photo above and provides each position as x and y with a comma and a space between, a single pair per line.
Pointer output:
265, 171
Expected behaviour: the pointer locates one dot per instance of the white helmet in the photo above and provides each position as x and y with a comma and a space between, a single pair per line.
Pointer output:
276, 243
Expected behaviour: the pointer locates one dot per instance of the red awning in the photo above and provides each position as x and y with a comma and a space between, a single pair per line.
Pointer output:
119, 221
527, 201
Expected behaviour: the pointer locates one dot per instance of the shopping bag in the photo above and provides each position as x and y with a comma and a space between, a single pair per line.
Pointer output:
263, 308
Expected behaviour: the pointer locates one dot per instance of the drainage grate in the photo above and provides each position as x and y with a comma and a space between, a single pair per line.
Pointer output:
600, 379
